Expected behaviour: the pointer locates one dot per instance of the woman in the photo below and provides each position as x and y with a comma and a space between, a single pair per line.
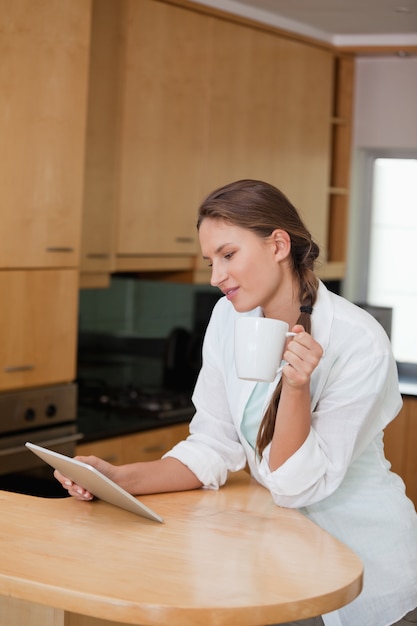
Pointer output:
313, 437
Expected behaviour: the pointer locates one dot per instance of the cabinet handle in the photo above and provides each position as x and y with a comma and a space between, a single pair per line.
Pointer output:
97, 255
184, 239
59, 249
18, 368
112, 458
155, 448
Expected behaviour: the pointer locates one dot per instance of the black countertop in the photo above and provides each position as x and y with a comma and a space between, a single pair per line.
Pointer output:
97, 425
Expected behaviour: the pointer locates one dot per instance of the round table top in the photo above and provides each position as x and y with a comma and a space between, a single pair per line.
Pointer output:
220, 557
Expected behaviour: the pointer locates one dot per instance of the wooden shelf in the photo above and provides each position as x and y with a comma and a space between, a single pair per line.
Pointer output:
341, 161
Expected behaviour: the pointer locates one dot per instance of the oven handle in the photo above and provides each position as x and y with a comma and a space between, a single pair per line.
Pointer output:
45, 444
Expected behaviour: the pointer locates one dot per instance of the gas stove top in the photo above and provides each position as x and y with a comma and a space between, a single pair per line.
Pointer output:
128, 400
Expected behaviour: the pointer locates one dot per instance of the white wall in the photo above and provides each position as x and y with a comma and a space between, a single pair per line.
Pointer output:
386, 103
385, 118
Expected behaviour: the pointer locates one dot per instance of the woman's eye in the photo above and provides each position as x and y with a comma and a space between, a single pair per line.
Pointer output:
228, 255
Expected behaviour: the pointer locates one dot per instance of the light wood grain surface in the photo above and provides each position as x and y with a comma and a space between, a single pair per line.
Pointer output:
221, 557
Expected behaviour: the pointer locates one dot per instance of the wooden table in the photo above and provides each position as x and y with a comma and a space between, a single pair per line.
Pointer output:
222, 557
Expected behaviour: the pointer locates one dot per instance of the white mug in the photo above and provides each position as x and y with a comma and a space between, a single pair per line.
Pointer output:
259, 346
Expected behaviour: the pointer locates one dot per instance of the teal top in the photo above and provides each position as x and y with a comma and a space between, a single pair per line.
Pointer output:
253, 413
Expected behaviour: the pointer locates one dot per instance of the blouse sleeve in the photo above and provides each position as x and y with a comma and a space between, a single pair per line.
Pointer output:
357, 395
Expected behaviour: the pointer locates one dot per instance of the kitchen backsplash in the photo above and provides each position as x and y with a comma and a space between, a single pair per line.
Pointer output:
139, 307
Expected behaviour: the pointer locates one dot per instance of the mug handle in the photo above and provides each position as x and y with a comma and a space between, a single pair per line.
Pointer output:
279, 370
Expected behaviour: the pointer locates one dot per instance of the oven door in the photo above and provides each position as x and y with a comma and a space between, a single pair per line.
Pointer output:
22, 471
14, 456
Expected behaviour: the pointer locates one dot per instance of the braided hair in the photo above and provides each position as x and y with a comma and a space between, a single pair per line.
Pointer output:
262, 208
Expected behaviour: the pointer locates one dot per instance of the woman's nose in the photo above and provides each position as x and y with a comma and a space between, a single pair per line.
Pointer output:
217, 275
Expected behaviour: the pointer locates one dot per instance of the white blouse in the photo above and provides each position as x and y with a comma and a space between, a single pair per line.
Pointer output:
339, 477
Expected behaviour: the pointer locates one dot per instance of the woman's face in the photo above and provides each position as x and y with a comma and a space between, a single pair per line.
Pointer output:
245, 267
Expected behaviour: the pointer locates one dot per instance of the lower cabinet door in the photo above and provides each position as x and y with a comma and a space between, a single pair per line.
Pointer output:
148, 445
400, 440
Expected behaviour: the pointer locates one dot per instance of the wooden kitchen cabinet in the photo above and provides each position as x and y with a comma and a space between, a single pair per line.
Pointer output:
203, 100
38, 318
162, 133
99, 199
142, 446
400, 441
43, 98
108, 449
152, 444
270, 104
184, 99
269, 110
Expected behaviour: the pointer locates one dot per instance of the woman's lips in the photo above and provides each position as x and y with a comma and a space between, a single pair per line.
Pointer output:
230, 293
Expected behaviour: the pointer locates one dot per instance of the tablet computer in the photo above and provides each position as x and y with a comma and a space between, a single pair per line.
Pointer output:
94, 481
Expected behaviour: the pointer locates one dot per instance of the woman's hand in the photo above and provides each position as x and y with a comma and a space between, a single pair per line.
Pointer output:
293, 420
302, 354
77, 491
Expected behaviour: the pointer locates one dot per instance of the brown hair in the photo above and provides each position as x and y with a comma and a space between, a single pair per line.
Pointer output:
262, 208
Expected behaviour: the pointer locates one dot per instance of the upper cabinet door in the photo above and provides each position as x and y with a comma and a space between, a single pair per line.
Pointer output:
44, 49
269, 117
163, 128
100, 176
205, 101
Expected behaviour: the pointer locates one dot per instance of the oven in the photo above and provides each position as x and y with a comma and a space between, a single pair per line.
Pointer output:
46, 416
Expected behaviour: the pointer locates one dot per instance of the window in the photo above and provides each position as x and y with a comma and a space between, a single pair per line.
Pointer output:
392, 263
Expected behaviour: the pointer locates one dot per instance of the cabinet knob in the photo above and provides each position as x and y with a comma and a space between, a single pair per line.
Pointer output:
156, 448
112, 458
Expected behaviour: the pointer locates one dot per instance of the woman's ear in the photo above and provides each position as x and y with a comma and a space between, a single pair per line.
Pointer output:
282, 244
